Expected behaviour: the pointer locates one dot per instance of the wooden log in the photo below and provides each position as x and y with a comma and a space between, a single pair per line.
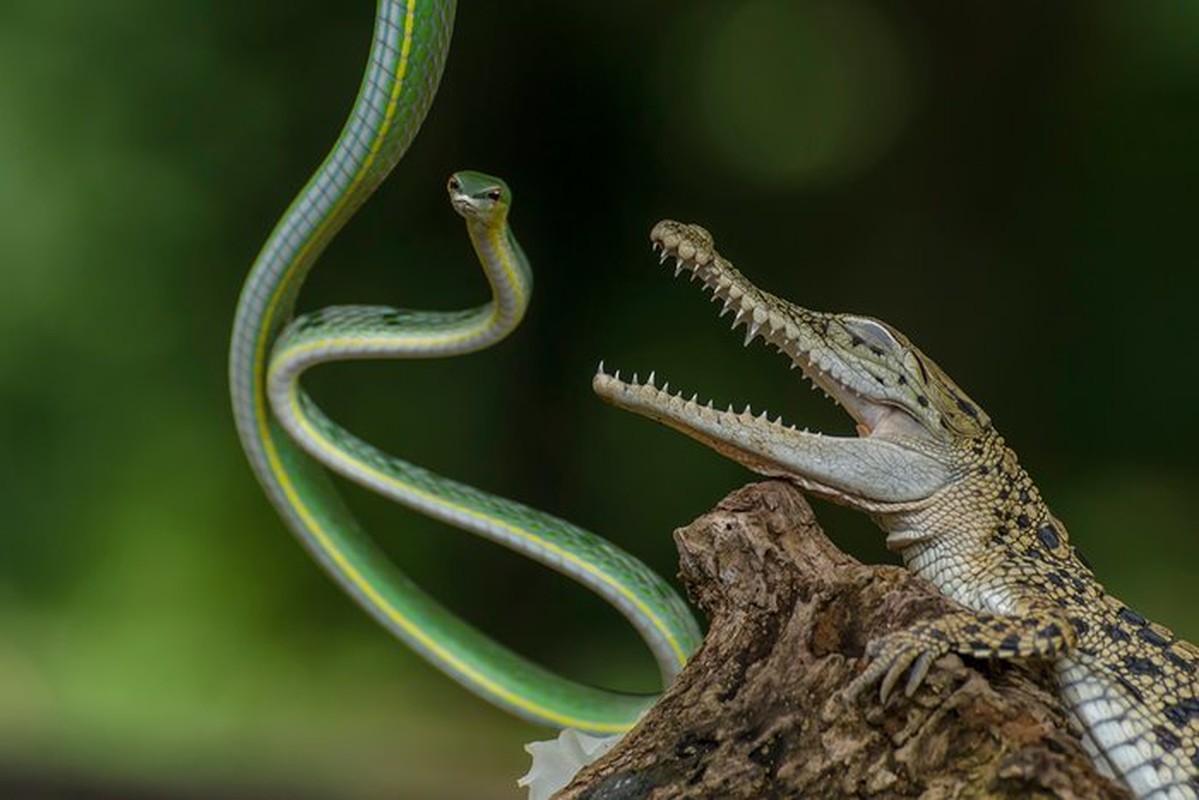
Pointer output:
758, 711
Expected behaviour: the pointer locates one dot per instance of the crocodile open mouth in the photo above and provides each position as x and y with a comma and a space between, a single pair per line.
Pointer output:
862, 364
801, 335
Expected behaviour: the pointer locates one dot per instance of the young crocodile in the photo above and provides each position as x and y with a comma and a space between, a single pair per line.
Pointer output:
933, 472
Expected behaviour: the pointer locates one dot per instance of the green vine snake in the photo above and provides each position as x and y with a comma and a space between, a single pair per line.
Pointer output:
290, 443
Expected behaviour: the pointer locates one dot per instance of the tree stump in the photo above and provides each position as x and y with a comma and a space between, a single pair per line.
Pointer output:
758, 711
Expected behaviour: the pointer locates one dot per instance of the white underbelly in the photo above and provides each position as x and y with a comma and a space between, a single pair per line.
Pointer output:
1117, 735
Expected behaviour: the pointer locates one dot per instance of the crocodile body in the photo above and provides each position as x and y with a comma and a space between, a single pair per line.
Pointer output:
930, 468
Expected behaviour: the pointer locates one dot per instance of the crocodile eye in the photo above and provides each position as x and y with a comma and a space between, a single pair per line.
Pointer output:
872, 331
454, 185
494, 195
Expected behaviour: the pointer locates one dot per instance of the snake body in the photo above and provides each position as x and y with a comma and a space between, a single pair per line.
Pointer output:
290, 443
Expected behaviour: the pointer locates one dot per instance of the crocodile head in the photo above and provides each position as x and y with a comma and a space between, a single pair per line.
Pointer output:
912, 420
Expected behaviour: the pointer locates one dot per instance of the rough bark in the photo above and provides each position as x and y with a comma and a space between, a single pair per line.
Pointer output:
758, 713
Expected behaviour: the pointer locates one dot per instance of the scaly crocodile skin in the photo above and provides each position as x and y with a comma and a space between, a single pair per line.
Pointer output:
934, 473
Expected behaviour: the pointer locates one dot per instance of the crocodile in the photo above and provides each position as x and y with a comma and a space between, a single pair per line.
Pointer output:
932, 471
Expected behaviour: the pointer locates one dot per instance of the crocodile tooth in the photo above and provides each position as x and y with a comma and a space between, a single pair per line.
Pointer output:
751, 332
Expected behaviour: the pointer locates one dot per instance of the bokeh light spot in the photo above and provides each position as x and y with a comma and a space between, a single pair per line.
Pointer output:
790, 93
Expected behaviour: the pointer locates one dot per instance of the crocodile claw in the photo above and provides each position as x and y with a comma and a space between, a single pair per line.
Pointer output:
890, 657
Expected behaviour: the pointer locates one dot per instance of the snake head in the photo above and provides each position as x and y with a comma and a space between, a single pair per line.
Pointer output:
480, 197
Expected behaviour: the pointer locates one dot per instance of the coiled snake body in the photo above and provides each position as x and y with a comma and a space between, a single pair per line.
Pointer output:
290, 442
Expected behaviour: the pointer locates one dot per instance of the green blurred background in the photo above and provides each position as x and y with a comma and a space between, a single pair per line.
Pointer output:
1012, 184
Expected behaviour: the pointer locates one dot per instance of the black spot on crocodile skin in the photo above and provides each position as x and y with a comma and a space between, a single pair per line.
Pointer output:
972, 629
1023, 522
922, 400
1048, 536
1024, 498
1168, 740
1050, 631
983, 470
977, 646
1132, 617
1132, 690
1182, 712
966, 408
1153, 637
1035, 552
902, 381
1080, 625
1085, 561
1004, 494
1180, 662
878, 351
1011, 643
1141, 666
1116, 633
1056, 580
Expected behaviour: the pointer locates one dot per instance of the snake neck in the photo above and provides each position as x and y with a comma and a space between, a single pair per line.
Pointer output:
508, 274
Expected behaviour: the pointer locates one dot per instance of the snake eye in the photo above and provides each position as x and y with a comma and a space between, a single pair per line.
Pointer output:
494, 195
454, 185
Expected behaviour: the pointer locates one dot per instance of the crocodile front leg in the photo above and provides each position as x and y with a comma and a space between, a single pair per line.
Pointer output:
1037, 633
